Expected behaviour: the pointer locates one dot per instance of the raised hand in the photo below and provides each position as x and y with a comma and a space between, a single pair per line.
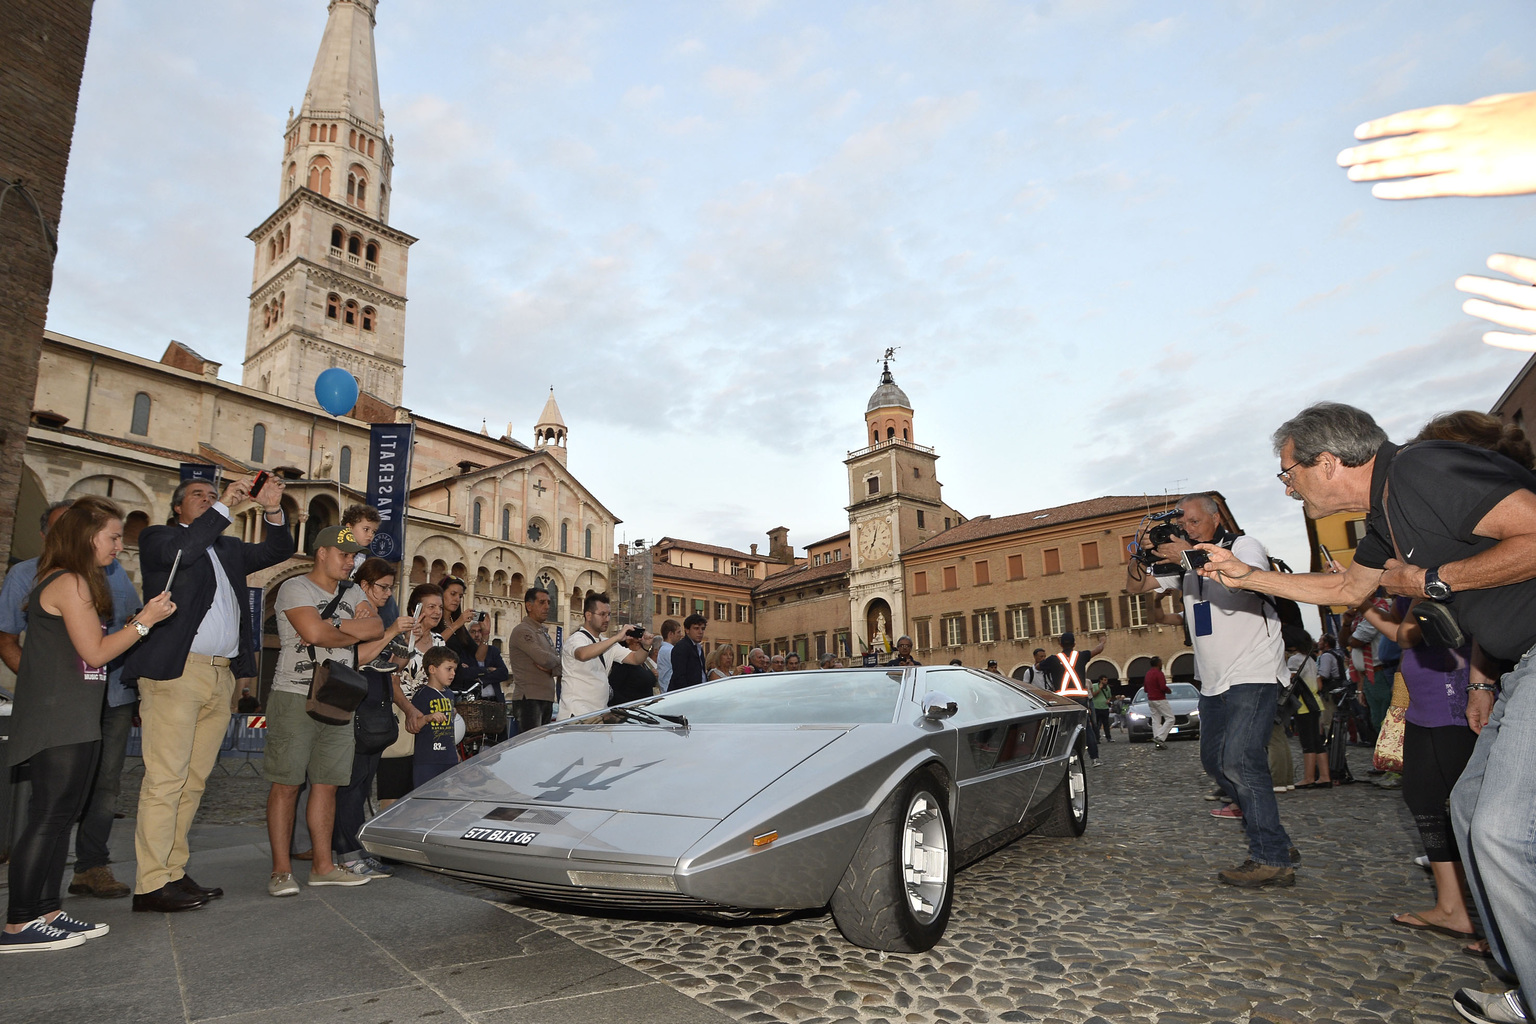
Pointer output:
1483, 148
1513, 305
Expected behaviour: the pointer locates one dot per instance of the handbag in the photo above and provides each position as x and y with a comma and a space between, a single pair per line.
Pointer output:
1388, 756
374, 725
405, 743
336, 688
1437, 622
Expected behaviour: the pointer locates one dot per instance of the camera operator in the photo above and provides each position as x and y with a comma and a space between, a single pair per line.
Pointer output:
1456, 524
1238, 645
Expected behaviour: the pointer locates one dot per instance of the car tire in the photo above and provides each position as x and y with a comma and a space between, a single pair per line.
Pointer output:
1069, 804
874, 905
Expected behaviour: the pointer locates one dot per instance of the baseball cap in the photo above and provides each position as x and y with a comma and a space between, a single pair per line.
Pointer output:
339, 537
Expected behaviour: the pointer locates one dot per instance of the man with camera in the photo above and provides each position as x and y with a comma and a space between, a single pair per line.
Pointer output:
1241, 654
587, 658
1455, 524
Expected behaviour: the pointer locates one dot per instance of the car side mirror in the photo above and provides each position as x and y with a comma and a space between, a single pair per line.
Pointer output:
938, 706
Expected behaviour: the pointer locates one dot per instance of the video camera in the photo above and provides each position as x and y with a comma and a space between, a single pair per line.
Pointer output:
1155, 529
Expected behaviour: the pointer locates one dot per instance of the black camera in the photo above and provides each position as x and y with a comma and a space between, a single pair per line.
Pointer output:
635, 632
1162, 530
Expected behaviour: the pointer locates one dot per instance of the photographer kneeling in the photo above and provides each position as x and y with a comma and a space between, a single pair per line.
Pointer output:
1238, 646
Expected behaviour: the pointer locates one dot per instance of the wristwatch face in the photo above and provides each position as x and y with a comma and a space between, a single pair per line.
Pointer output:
1434, 587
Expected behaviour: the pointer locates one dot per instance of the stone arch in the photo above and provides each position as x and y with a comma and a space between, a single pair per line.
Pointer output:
418, 571
1105, 667
498, 583
878, 611
440, 550
1182, 669
439, 569
26, 539
1136, 671
119, 489
133, 525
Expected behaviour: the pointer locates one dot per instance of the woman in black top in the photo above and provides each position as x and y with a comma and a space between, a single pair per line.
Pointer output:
56, 722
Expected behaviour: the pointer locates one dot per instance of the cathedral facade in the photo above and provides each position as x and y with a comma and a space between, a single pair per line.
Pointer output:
328, 289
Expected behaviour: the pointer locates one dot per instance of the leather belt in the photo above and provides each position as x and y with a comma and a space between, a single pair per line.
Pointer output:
208, 659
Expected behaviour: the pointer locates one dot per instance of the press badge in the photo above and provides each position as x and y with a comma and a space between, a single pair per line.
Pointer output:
1202, 618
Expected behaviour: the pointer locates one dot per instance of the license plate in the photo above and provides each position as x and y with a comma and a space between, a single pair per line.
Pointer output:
1173, 730
505, 836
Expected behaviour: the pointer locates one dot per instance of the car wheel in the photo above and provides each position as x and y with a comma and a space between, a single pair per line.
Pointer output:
1069, 804
898, 889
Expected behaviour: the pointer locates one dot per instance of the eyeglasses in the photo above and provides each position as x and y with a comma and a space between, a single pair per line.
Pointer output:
1284, 476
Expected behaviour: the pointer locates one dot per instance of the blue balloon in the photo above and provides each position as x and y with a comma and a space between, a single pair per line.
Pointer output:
336, 391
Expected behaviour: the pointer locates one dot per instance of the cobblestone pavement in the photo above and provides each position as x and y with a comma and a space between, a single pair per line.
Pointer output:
1126, 923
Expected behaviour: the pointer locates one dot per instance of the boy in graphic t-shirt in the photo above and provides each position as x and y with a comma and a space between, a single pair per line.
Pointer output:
436, 751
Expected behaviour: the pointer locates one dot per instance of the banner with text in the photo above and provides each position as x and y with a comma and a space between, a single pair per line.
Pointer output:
200, 471
389, 485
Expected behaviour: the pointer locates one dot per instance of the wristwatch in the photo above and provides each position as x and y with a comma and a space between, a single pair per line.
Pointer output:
143, 629
1435, 587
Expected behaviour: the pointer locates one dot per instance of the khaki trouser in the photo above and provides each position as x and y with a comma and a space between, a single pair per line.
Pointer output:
184, 722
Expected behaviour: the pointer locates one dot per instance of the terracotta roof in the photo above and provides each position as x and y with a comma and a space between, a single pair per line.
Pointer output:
708, 549
665, 570
827, 540
983, 527
802, 576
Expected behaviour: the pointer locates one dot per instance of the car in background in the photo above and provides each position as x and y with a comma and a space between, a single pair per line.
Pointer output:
859, 789
1183, 698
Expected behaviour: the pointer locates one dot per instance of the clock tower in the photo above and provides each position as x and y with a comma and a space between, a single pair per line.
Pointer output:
895, 501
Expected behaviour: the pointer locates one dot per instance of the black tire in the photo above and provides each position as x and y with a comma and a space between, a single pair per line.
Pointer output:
873, 906
1069, 812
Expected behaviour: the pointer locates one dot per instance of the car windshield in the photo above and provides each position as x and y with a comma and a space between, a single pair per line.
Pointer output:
848, 697
1176, 691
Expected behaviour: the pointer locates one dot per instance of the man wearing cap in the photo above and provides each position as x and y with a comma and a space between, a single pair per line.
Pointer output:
1067, 674
186, 669
315, 623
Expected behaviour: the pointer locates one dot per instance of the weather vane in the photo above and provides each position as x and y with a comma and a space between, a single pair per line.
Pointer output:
890, 353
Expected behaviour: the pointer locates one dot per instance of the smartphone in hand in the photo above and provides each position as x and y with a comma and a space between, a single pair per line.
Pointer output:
172, 577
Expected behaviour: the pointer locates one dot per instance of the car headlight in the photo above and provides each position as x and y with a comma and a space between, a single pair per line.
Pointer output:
1137, 716
1194, 715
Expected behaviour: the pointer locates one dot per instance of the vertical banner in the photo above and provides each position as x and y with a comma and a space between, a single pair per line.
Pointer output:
199, 471
389, 485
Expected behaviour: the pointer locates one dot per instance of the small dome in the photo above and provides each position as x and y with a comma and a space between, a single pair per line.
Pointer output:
887, 395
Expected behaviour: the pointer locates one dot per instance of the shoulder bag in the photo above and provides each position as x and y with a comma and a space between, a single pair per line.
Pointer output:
336, 688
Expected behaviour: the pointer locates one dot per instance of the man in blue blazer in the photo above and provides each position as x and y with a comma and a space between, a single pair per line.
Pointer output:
688, 653
186, 670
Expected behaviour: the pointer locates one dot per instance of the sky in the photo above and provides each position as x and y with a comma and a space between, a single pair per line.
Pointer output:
1108, 240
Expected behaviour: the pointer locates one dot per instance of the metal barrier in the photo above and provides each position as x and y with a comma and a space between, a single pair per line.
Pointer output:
250, 732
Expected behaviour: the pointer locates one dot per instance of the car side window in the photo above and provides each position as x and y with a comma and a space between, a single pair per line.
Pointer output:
979, 698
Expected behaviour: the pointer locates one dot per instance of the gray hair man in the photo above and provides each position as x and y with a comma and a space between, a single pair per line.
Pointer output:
1454, 524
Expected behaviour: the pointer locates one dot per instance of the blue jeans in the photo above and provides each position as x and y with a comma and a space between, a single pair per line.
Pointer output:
1248, 717
1213, 733
1496, 826
96, 823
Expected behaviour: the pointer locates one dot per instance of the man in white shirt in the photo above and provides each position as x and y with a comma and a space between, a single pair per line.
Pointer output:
1237, 641
587, 657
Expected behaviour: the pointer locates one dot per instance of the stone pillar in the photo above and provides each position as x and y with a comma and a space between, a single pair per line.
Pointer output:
42, 55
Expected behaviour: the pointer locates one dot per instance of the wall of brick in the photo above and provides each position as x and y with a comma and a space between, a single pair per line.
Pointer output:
42, 56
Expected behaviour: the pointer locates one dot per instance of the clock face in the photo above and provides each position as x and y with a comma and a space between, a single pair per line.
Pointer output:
875, 539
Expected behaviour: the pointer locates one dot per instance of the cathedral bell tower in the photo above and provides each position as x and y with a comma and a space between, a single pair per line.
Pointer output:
328, 287
895, 501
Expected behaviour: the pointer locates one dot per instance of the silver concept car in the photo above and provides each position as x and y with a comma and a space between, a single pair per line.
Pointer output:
860, 788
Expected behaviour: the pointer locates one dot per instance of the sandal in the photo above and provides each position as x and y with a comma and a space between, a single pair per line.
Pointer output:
1478, 949
1411, 920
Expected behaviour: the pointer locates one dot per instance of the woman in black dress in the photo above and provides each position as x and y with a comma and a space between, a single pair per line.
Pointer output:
56, 721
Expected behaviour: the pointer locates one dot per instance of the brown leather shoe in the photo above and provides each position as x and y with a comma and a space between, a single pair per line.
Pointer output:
168, 899
97, 882
304, 855
191, 888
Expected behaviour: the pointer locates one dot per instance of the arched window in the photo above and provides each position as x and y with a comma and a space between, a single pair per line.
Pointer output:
874, 436
320, 175
132, 526
349, 313
362, 192
506, 523
346, 464
259, 443
904, 436
371, 252
332, 306
351, 187
140, 424
565, 529
313, 129
587, 550
355, 245
293, 175
333, 133
476, 519
337, 238
367, 318
352, 138
370, 147
890, 431
271, 249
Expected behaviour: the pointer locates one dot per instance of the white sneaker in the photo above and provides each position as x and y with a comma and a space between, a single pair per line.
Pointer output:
338, 875
282, 885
